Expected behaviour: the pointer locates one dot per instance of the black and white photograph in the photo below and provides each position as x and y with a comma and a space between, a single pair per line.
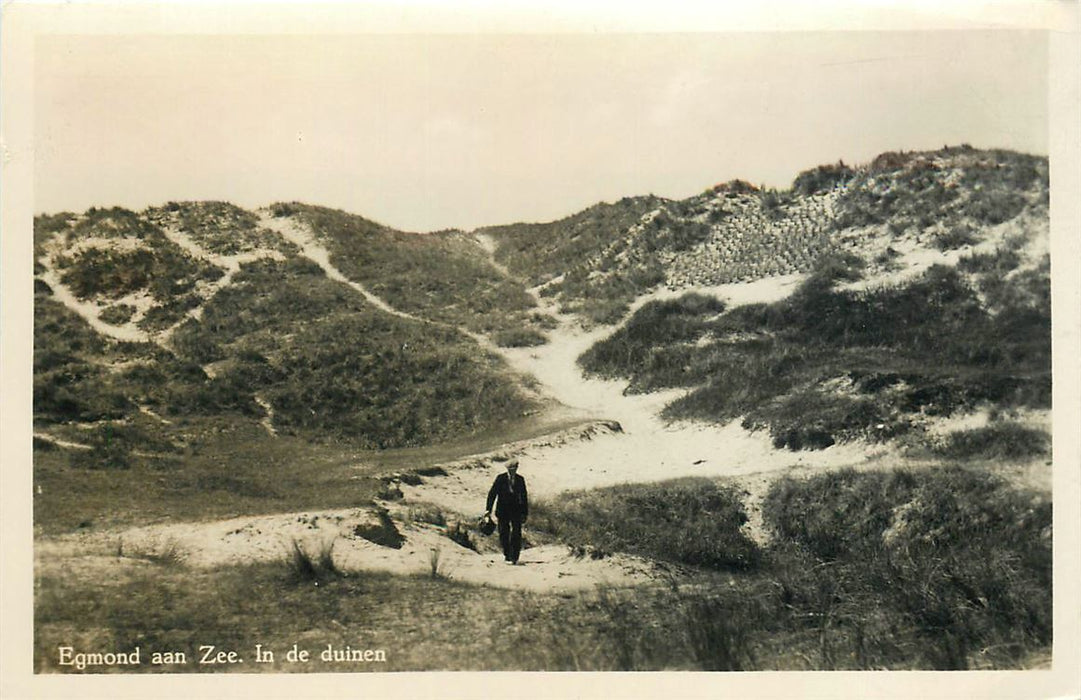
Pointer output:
466, 340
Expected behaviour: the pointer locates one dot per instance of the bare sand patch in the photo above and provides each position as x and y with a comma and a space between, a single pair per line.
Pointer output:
269, 538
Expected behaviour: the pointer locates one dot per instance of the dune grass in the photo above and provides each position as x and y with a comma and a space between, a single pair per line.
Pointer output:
688, 521
827, 365
954, 557
444, 276
998, 441
940, 568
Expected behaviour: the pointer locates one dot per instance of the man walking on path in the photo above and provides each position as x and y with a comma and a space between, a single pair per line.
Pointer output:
512, 509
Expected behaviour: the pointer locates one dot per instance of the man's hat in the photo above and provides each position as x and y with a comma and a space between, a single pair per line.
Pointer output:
512, 463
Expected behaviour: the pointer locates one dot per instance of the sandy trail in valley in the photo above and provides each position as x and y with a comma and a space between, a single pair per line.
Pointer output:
267, 538
647, 449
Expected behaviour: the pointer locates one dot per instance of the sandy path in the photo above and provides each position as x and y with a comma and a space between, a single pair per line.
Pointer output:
304, 238
88, 310
268, 538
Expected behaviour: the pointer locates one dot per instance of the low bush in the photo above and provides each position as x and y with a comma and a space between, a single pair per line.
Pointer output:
957, 559
103, 456
956, 237
822, 179
1003, 441
117, 314
519, 338
690, 521
1000, 262
817, 418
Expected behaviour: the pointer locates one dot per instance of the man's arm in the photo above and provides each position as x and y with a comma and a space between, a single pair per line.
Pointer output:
525, 501
491, 495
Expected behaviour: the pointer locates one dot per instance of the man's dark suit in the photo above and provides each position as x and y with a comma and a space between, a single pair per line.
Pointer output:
512, 509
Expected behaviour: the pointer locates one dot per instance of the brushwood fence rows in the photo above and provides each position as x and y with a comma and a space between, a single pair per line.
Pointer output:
752, 241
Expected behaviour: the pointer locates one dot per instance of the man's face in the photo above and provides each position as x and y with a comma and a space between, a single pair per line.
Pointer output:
512, 469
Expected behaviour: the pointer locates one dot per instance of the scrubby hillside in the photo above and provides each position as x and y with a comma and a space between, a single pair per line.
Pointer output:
197, 310
544, 252
930, 297
443, 276
890, 212
931, 294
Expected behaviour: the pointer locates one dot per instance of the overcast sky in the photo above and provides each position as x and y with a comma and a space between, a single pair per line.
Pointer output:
430, 132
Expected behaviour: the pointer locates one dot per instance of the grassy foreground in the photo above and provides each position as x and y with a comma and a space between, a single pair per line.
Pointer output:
942, 568
263, 476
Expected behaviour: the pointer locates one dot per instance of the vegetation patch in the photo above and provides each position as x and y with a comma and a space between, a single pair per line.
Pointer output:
957, 237
117, 314
955, 558
998, 441
519, 338
810, 368
442, 276
691, 521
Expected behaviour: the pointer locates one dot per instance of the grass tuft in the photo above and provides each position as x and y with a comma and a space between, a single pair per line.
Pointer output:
1001, 441
434, 569
305, 567
168, 553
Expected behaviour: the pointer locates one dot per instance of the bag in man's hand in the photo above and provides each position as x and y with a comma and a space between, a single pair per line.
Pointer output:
486, 525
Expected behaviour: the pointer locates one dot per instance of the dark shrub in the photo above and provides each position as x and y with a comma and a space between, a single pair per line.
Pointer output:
689, 521
955, 557
997, 441
822, 179
956, 237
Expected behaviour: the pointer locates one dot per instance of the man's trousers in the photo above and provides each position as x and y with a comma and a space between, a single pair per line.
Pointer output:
510, 536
